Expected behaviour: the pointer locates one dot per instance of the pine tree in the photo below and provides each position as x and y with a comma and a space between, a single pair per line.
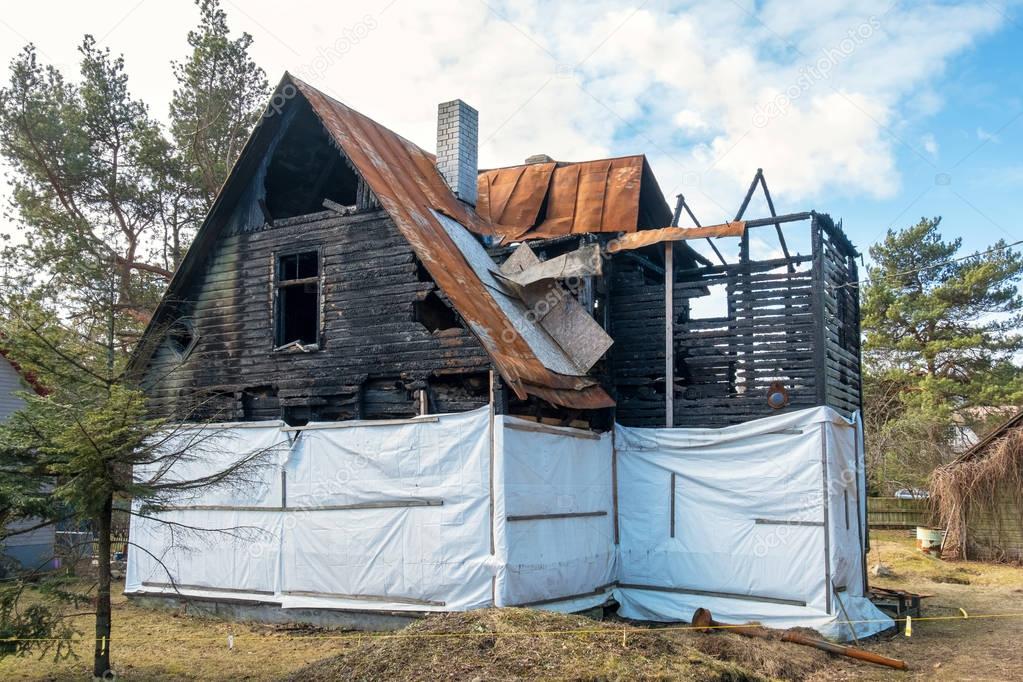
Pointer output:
90, 189
940, 334
220, 94
92, 445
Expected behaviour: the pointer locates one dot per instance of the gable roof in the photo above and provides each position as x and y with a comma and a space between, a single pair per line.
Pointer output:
406, 182
544, 200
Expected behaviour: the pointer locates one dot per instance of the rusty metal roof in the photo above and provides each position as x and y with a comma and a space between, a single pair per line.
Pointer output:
408, 186
544, 200
637, 240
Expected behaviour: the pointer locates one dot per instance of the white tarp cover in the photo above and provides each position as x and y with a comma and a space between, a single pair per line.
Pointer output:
434, 556
554, 516
768, 523
408, 516
241, 520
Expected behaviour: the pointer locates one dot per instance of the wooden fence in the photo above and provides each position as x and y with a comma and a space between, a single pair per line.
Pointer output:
892, 512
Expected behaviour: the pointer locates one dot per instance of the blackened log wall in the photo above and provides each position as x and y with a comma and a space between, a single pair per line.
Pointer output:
374, 356
790, 321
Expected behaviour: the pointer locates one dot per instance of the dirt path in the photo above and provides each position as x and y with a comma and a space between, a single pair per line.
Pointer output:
975, 648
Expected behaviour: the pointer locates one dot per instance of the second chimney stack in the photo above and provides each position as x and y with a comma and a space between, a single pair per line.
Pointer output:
457, 141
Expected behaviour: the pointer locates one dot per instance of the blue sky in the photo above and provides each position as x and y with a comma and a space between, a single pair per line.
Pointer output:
876, 111
979, 137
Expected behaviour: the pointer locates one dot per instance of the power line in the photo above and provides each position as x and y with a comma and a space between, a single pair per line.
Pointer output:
928, 267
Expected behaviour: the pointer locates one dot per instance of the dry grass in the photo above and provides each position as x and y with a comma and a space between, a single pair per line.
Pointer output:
952, 648
158, 645
917, 572
972, 486
529, 644
511, 644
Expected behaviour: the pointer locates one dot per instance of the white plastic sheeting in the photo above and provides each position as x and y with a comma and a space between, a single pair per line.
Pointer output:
460, 511
220, 538
767, 526
554, 516
394, 517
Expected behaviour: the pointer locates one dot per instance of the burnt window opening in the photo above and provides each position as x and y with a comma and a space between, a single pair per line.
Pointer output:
297, 313
434, 314
182, 338
260, 402
305, 169
296, 415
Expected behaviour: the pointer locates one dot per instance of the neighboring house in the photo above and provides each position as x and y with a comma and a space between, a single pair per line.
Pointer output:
36, 547
12, 382
969, 423
435, 356
979, 497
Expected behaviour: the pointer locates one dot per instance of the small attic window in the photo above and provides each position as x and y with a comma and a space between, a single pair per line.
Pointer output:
181, 337
305, 169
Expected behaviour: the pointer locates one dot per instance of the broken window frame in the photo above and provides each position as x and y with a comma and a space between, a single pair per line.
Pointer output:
278, 313
181, 352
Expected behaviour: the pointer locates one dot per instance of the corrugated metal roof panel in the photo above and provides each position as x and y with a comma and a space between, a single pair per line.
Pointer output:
406, 182
544, 200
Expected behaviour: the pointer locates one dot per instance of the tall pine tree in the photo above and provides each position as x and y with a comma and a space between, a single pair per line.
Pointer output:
106, 202
220, 94
940, 336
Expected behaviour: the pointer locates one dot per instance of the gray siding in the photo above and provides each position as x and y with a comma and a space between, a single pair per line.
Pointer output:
35, 547
10, 384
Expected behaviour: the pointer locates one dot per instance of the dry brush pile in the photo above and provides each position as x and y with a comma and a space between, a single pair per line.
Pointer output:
977, 485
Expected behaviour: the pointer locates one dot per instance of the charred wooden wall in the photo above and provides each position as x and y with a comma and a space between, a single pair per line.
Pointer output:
839, 364
725, 365
792, 322
636, 323
373, 357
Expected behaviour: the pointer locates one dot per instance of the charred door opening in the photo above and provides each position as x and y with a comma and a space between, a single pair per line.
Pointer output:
297, 313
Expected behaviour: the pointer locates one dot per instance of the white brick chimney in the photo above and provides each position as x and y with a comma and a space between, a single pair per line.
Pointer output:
457, 142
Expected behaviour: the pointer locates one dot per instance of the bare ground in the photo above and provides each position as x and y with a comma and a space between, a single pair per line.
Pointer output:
988, 645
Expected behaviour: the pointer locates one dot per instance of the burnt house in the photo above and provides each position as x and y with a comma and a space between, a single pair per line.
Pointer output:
456, 383
344, 273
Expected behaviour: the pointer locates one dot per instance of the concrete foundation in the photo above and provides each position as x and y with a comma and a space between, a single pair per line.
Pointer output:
271, 612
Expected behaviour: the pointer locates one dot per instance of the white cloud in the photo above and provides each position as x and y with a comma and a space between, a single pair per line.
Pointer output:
682, 82
985, 136
689, 120
930, 144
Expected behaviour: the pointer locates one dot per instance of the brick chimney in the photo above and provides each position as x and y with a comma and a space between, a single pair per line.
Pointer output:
457, 142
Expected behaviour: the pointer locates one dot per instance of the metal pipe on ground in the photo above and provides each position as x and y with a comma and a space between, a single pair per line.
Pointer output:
702, 618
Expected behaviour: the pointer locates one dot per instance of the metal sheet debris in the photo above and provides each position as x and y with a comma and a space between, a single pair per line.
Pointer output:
585, 261
406, 182
636, 240
536, 283
539, 201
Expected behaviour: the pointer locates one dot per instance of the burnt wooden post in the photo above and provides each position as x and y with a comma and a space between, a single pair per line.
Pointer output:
817, 306
854, 283
745, 294
669, 320
669, 333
